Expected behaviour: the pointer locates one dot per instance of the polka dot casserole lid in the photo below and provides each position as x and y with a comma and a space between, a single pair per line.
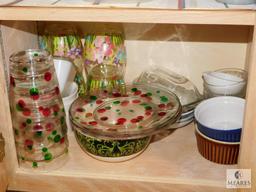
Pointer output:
142, 111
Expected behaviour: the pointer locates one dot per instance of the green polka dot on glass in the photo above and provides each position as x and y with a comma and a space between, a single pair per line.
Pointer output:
18, 107
158, 91
39, 134
131, 110
62, 120
140, 127
57, 138
108, 108
34, 164
164, 99
118, 110
134, 89
25, 69
33, 91
36, 54
149, 94
55, 113
93, 97
48, 156
44, 149
54, 132
28, 121
116, 102
148, 107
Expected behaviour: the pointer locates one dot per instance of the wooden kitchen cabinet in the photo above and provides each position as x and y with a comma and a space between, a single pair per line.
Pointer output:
172, 164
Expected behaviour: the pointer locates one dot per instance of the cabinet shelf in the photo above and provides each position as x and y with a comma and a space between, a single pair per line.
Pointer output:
128, 15
171, 163
171, 160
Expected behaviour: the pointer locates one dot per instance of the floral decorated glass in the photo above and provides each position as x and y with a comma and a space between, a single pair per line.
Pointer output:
105, 60
37, 110
66, 44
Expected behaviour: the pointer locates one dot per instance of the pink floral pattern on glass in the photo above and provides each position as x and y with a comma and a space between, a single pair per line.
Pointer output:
99, 49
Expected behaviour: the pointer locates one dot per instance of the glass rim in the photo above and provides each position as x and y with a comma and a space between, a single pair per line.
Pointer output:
14, 58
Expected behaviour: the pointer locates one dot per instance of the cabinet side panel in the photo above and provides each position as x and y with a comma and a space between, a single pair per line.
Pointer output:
247, 156
14, 36
10, 162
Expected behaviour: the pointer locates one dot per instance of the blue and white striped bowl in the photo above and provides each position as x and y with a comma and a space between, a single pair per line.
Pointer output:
221, 118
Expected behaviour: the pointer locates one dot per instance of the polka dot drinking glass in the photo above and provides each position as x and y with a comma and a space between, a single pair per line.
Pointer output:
37, 110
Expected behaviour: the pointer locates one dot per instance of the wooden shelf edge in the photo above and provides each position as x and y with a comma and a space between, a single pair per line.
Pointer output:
128, 15
58, 175
50, 182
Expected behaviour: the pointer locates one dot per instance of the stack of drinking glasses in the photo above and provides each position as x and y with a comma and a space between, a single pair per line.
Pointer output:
37, 109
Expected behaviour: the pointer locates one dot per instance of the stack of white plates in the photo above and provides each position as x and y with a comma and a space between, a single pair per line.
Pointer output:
185, 119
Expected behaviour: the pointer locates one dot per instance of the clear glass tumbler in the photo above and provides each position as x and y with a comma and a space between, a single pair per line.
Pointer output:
64, 42
105, 61
37, 110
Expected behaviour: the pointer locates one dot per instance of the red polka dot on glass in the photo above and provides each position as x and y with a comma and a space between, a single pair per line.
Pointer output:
46, 112
47, 76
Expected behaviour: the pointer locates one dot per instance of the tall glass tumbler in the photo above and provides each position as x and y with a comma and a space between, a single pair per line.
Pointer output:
38, 114
64, 42
105, 61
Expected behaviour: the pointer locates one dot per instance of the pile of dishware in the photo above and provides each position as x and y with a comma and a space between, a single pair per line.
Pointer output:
225, 82
187, 93
119, 126
37, 110
219, 122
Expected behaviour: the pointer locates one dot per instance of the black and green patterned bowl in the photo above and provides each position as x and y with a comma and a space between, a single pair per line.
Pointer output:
120, 126
112, 150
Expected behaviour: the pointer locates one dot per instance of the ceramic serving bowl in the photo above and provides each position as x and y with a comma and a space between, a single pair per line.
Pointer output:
217, 151
119, 126
221, 118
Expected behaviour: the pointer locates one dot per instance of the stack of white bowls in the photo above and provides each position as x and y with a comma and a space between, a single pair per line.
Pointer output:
225, 82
